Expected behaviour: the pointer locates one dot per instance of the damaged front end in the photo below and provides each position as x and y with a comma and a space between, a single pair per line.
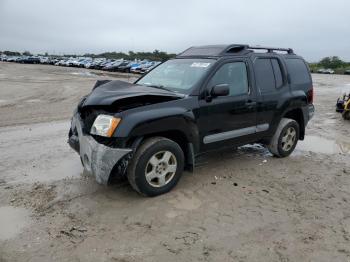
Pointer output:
103, 154
98, 159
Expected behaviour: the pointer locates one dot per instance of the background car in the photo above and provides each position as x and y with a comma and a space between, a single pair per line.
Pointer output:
147, 69
329, 71
142, 64
3, 58
32, 60
112, 66
125, 67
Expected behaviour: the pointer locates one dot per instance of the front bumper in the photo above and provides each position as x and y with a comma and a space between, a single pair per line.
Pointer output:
97, 159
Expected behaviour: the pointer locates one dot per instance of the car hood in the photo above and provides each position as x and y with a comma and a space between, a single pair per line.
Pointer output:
112, 91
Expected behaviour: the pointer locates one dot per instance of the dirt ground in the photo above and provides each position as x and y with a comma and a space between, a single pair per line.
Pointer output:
238, 205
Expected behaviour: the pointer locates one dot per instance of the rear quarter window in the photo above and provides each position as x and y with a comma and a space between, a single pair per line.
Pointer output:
298, 71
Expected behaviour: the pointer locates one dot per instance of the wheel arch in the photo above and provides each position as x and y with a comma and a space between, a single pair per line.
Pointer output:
297, 115
175, 135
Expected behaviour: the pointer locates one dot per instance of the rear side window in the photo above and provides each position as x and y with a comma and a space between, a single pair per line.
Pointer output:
298, 71
265, 77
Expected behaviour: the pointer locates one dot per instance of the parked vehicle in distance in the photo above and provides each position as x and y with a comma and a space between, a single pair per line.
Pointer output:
112, 66
31, 60
329, 71
205, 99
44, 60
133, 67
99, 64
61, 62
147, 69
80, 62
137, 69
76, 61
325, 71
70, 62
53, 61
347, 72
3, 58
121, 67
12, 59
19, 59
125, 67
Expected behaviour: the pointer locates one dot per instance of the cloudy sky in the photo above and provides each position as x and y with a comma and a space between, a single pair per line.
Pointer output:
314, 28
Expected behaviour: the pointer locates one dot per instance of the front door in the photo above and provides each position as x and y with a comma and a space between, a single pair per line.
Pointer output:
229, 120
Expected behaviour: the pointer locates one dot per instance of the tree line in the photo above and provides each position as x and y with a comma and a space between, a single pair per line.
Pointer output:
332, 62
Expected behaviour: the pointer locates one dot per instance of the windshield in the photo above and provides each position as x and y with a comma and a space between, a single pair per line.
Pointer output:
178, 75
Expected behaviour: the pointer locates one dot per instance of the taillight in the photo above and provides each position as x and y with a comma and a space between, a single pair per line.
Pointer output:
310, 96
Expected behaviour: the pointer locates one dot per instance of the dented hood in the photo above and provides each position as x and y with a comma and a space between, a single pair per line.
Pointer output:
107, 94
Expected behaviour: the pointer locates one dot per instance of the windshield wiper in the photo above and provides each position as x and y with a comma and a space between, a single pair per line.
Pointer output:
160, 87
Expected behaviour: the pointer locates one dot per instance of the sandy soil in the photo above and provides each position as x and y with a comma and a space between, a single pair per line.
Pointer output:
239, 205
40, 93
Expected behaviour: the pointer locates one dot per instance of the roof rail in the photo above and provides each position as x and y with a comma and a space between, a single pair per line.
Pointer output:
271, 49
221, 50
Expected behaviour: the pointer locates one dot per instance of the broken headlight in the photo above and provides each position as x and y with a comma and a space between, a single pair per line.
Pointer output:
104, 125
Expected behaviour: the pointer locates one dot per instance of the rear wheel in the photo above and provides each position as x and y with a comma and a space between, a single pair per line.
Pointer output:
346, 114
285, 139
156, 166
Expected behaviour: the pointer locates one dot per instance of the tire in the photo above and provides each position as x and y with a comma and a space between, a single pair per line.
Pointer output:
346, 114
162, 160
287, 130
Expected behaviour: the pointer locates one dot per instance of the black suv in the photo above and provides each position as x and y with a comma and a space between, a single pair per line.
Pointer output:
207, 98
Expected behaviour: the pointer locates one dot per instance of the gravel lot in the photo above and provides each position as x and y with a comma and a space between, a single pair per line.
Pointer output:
238, 205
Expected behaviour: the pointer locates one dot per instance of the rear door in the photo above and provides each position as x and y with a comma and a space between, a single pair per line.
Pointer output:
229, 119
272, 84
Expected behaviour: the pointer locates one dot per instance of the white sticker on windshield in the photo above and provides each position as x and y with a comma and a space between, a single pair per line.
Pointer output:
199, 64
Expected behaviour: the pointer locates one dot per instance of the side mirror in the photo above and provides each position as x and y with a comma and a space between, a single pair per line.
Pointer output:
220, 90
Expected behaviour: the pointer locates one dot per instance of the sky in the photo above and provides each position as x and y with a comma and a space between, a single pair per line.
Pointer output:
313, 28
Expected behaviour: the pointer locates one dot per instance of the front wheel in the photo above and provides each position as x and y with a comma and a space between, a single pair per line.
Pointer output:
285, 139
156, 166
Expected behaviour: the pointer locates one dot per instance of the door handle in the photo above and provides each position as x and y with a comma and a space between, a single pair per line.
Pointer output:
250, 103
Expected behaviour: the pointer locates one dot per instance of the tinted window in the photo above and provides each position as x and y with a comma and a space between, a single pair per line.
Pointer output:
277, 72
265, 78
298, 71
234, 75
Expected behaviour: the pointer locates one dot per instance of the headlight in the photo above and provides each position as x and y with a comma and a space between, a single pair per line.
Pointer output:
104, 125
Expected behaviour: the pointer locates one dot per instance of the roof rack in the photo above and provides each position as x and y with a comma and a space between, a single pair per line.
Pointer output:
271, 49
221, 50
